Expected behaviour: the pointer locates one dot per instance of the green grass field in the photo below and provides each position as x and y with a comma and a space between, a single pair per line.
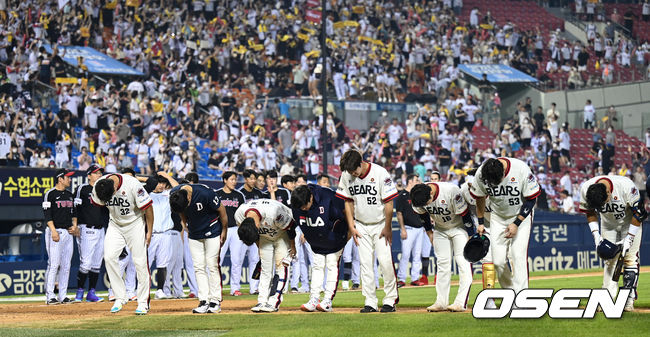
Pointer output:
412, 323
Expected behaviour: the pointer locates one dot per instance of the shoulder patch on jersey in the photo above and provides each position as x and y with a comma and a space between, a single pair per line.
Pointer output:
531, 178
457, 198
388, 182
141, 192
634, 191
279, 218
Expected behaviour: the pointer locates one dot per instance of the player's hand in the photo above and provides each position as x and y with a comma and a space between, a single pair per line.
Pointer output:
224, 236
597, 238
148, 239
292, 252
74, 230
480, 229
388, 234
402, 234
55, 236
302, 239
354, 234
511, 231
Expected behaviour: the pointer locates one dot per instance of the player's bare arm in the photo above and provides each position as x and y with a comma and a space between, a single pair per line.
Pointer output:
480, 213
402, 229
349, 216
169, 178
148, 216
387, 232
74, 230
525, 211
55, 234
223, 217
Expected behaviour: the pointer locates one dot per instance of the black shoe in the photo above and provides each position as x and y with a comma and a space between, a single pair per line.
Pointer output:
355, 286
387, 308
52, 301
66, 301
400, 284
368, 308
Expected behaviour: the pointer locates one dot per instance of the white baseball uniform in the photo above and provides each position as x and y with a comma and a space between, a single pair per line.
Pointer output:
506, 199
615, 218
126, 227
275, 220
449, 237
175, 267
370, 192
160, 248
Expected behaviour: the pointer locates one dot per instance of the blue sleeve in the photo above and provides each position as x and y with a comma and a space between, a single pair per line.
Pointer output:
337, 208
215, 202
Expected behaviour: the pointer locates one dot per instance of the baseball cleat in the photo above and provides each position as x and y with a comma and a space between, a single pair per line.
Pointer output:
387, 308
345, 285
52, 301
111, 296
257, 307
160, 295
141, 310
92, 297
324, 306
415, 283
117, 307
191, 295
311, 305
294, 290
456, 308
237, 293
436, 307
355, 286
367, 309
400, 284
66, 300
214, 308
202, 308
423, 281
133, 298
80, 295
629, 305
256, 292
268, 308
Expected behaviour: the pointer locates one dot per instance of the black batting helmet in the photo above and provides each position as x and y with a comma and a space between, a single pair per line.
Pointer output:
476, 248
607, 250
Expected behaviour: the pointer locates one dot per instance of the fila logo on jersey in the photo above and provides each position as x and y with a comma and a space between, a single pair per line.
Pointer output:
306, 221
502, 190
565, 303
362, 189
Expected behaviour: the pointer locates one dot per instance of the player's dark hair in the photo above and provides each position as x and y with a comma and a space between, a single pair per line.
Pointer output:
271, 174
350, 161
248, 172
304, 177
226, 175
178, 201
596, 196
128, 171
192, 177
300, 196
420, 195
247, 232
105, 189
287, 179
260, 173
410, 177
492, 172
321, 176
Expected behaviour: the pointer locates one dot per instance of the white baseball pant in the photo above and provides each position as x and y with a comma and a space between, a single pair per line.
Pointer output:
160, 249
514, 250
370, 243
59, 260
235, 245
205, 253
271, 254
325, 263
300, 266
175, 267
616, 234
189, 265
351, 255
133, 237
446, 243
253, 258
91, 249
127, 272
411, 247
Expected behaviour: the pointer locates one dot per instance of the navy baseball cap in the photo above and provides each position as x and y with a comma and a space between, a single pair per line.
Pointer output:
94, 168
63, 173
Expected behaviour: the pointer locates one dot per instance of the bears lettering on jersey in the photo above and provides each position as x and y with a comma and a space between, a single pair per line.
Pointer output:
438, 210
362, 189
117, 201
269, 231
503, 190
612, 208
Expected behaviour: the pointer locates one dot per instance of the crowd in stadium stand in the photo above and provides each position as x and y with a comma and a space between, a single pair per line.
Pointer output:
211, 66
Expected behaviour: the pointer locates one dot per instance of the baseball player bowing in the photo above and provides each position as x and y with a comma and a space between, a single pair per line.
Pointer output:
513, 191
207, 226
127, 202
160, 249
617, 201
268, 223
453, 225
411, 233
320, 216
368, 192
92, 221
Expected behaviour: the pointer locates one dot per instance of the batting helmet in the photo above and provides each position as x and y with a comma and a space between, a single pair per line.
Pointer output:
476, 248
607, 250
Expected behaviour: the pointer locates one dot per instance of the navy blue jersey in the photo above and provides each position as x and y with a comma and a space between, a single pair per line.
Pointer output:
324, 225
202, 213
231, 201
251, 195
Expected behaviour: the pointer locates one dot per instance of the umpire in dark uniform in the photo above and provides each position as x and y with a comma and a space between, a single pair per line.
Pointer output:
61, 219
411, 233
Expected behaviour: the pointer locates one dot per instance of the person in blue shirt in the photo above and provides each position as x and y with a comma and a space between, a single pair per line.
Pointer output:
207, 226
319, 213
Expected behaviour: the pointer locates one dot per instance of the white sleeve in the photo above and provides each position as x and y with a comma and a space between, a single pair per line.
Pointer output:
388, 190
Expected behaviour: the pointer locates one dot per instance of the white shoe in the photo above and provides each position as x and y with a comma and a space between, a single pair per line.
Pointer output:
117, 307
202, 308
257, 307
311, 305
268, 308
490, 304
629, 305
214, 307
456, 308
345, 285
141, 310
324, 306
436, 307
132, 297
160, 295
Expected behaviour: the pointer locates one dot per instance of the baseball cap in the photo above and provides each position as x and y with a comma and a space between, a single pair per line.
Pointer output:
94, 168
62, 173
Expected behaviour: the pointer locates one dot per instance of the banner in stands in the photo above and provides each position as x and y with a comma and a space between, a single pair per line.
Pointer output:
96, 62
496, 73
27, 186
